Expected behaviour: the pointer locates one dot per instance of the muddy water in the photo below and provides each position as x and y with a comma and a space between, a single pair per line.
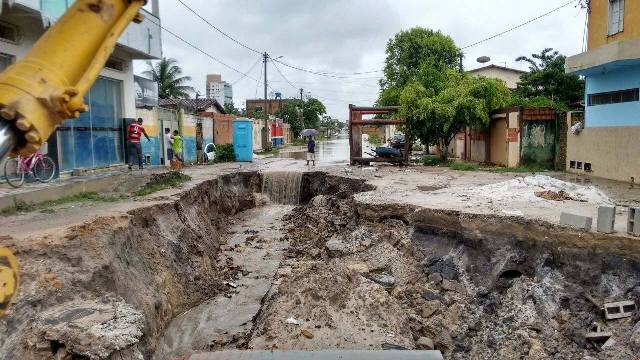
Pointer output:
282, 187
330, 151
255, 243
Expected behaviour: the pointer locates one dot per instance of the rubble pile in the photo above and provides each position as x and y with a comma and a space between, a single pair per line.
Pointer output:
355, 283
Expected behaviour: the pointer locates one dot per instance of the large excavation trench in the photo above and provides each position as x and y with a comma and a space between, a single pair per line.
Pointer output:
229, 266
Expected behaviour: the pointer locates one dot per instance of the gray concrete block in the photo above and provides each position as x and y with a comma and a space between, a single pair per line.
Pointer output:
633, 223
606, 218
576, 221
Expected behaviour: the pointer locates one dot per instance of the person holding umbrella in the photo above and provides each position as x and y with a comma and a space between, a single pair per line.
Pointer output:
311, 145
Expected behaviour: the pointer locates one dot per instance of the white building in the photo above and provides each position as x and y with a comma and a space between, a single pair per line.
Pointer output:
97, 138
511, 77
220, 90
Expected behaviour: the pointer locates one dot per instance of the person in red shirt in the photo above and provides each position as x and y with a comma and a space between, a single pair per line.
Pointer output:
136, 130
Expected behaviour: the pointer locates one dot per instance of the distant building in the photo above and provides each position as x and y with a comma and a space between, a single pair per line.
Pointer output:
510, 76
255, 107
193, 106
220, 90
608, 145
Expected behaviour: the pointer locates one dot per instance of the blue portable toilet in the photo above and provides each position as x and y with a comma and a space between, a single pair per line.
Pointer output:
243, 139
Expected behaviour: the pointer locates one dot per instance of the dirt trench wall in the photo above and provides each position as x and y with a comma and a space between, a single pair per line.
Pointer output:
161, 260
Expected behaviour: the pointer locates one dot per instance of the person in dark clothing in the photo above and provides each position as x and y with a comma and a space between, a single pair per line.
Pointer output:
311, 151
136, 130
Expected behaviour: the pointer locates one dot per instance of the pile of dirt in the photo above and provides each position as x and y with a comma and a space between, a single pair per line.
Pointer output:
554, 195
376, 282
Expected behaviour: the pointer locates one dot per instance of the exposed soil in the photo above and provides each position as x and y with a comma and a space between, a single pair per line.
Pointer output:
334, 272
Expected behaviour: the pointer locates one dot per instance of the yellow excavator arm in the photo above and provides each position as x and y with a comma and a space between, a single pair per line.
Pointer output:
48, 85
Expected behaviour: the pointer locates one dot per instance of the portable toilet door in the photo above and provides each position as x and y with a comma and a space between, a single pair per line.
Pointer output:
243, 139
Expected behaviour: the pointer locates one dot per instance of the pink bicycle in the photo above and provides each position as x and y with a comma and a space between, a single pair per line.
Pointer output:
39, 166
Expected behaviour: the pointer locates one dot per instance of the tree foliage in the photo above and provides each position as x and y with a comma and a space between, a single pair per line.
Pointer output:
435, 118
417, 55
167, 74
230, 108
547, 79
312, 110
290, 113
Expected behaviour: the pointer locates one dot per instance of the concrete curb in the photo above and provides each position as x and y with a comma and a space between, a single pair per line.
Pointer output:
57, 191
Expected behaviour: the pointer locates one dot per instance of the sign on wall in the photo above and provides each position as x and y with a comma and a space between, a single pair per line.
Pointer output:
146, 92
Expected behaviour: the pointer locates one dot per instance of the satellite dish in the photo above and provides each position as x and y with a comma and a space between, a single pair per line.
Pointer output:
483, 59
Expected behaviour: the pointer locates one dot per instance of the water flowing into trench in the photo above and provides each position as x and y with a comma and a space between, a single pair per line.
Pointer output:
282, 187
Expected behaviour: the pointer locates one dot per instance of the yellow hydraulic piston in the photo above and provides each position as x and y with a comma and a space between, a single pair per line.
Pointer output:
48, 84
8, 279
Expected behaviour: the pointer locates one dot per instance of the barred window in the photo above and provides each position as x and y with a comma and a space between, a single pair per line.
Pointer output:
614, 97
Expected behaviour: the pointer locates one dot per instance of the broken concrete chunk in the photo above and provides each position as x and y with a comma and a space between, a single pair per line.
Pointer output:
358, 267
576, 221
93, 328
606, 218
598, 334
619, 310
387, 281
306, 333
609, 343
633, 223
424, 343
335, 246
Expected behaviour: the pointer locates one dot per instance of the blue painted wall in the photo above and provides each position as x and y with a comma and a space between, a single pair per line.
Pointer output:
189, 148
623, 114
152, 148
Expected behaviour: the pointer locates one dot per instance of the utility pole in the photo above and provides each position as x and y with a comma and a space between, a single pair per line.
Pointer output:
301, 107
265, 136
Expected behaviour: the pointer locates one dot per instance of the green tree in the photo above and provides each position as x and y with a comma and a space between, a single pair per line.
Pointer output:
290, 113
546, 83
167, 74
230, 108
311, 112
417, 55
463, 101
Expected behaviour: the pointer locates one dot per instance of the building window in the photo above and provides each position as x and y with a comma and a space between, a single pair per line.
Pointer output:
5, 61
616, 16
8, 33
614, 97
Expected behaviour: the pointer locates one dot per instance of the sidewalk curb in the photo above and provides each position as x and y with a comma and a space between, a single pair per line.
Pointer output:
58, 191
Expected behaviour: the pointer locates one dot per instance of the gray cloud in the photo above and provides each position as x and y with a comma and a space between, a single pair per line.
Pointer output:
350, 36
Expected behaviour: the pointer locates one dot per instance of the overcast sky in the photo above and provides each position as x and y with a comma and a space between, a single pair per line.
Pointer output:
347, 36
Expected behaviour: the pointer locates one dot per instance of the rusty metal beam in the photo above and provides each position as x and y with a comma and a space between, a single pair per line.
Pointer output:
375, 108
379, 122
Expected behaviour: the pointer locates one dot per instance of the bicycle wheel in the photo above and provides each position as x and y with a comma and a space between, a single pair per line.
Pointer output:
13, 173
44, 169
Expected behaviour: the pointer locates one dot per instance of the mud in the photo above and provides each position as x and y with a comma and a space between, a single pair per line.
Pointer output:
219, 267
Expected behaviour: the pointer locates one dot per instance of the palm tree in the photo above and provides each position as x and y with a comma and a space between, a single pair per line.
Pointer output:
170, 84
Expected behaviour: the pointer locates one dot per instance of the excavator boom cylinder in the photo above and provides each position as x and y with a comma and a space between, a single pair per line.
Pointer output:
49, 83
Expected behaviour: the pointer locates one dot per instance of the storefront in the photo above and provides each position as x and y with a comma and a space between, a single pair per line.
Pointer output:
96, 138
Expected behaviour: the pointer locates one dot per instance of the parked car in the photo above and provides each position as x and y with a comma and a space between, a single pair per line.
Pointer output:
397, 141
209, 152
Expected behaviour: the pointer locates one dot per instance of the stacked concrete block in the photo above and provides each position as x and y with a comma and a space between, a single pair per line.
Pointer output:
606, 218
633, 224
576, 221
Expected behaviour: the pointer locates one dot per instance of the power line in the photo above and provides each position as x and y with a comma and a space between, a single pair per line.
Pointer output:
255, 96
519, 26
325, 74
248, 71
259, 52
219, 30
281, 74
207, 54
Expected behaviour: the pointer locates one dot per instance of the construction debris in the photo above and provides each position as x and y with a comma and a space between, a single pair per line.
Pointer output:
598, 335
619, 310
